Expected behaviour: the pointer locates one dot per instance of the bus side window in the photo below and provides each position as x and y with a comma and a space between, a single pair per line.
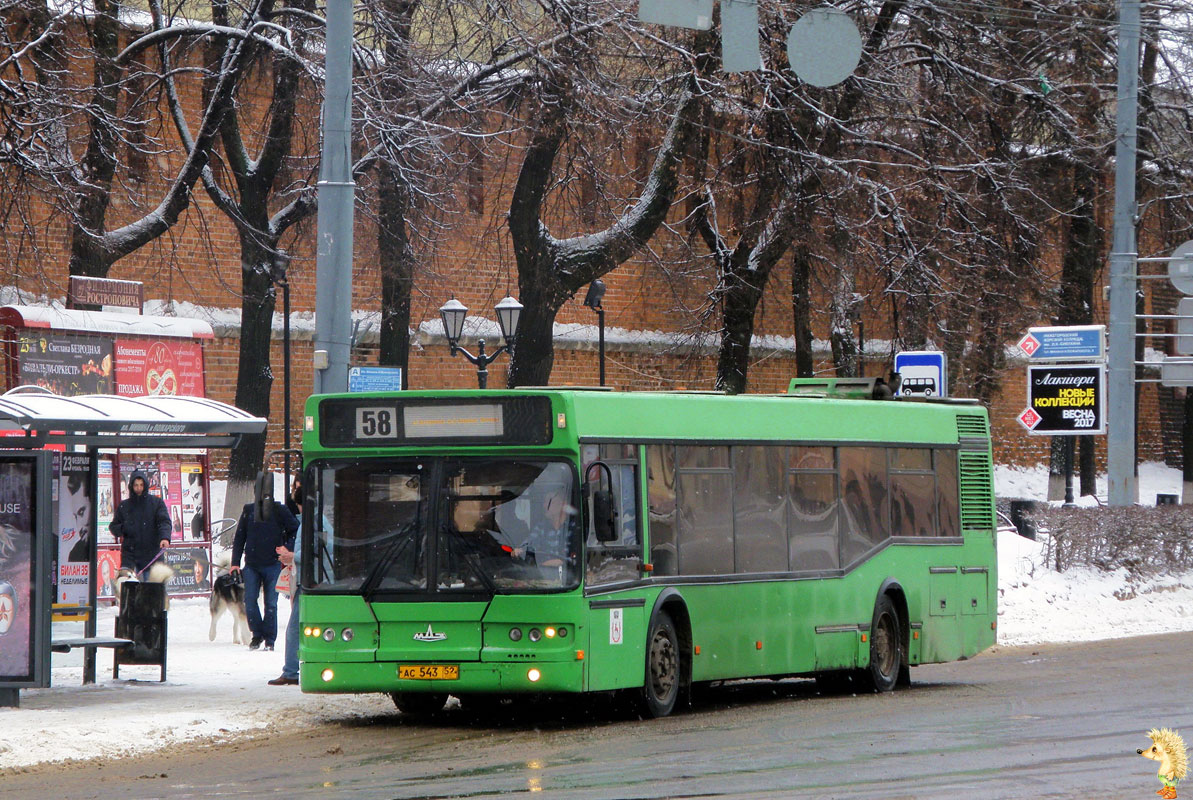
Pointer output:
621, 559
660, 463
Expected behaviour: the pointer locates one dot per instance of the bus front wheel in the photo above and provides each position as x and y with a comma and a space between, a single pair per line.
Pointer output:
886, 647
661, 688
419, 703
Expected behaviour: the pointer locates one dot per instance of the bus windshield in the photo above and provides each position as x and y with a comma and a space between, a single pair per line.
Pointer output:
476, 525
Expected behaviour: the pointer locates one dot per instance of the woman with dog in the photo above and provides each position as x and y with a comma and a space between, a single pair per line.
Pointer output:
142, 525
264, 526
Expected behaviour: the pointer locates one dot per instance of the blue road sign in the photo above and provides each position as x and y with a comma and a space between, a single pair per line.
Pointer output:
1065, 343
375, 379
923, 373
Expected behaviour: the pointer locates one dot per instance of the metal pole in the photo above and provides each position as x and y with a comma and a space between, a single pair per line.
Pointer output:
1120, 418
333, 286
601, 340
1069, 454
482, 364
286, 377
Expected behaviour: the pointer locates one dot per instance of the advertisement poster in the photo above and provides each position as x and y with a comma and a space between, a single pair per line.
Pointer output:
75, 524
1065, 400
170, 478
192, 502
16, 570
108, 565
66, 365
107, 503
192, 570
164, 367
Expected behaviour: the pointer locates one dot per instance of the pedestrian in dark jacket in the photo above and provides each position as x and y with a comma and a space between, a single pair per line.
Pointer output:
264, 526
142, 525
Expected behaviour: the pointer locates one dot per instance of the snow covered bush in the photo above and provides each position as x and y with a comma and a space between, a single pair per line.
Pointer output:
1145, 541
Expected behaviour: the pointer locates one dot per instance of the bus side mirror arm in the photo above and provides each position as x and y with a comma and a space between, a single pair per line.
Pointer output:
603, 513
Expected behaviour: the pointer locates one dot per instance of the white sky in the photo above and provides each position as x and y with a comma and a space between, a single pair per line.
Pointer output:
217, 690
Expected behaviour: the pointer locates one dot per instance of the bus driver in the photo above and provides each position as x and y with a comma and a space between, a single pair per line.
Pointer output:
547, 542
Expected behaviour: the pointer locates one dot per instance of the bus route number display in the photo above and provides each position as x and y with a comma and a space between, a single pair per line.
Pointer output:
376, 422
1065, 400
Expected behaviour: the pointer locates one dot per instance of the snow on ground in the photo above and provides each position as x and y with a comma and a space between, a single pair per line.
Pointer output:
217, 690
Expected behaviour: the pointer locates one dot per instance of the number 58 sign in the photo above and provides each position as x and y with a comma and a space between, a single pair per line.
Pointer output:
1065, 400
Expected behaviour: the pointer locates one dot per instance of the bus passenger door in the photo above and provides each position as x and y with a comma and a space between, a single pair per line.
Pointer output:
617, 622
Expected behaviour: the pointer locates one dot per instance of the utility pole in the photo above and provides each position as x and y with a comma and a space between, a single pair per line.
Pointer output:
337, 190
1120, 419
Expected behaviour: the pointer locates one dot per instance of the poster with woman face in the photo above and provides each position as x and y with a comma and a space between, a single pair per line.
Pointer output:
76, 525
16, 569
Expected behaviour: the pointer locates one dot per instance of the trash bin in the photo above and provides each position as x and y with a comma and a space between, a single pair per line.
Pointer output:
1167, 500
1021, 511
142, 619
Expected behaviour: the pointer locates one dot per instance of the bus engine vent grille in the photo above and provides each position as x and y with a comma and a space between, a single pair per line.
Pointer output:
971, 426
977, 492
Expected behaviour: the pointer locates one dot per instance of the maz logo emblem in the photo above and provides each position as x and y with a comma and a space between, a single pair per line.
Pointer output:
429, 636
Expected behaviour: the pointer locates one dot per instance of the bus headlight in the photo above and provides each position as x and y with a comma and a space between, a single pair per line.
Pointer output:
515, 634
535, 634
347, 635
533, 675
550, 632
329, 635
327, 675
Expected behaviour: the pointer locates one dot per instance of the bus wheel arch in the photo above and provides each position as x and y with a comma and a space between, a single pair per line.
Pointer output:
669, 636
889, 632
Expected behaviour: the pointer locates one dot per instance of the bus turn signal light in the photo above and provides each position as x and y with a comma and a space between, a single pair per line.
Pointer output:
579, 655
648, 567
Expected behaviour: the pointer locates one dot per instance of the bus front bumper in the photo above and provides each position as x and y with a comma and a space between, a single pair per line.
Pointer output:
382, 676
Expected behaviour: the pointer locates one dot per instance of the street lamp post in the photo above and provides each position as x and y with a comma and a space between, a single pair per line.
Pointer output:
453, 313
596, 292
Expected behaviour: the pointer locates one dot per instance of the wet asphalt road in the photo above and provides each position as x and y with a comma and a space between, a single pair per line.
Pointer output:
1043, 721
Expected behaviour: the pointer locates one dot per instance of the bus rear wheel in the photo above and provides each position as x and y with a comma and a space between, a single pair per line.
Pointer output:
661, 688
886, 647
419, 703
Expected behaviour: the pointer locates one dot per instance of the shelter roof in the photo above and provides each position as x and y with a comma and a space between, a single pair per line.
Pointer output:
75, 320
39, 417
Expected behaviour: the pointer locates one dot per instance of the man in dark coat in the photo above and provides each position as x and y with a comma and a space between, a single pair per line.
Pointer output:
142, 524
264, 526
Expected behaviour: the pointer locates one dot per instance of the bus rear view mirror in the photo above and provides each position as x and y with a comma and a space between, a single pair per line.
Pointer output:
602, 516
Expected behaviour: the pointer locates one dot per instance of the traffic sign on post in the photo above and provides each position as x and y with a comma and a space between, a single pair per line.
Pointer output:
1065, 343
1180, 268
1065, 399
922, 372
375, 379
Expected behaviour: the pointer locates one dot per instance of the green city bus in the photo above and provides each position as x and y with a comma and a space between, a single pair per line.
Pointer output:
704, 537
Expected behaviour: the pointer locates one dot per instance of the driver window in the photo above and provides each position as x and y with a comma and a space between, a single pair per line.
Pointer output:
621, 559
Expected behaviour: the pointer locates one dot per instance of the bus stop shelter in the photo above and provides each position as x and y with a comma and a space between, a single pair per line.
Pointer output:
31, 419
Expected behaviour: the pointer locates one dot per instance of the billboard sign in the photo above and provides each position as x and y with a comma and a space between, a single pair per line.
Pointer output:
64, 364
1065, 399
161, 367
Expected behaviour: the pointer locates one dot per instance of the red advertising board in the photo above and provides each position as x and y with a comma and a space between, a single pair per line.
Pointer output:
165, 366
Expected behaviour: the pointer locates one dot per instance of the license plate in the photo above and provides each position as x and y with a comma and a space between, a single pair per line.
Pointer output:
429, 672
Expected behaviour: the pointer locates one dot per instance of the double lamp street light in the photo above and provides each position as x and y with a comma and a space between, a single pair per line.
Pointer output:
453, 313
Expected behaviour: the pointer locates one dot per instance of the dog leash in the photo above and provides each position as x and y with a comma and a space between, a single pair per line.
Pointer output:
142, 572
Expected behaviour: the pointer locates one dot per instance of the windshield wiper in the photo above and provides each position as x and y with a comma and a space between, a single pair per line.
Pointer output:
469, 559
403, 535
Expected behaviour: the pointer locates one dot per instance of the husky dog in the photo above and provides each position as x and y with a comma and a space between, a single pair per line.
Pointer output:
1169, 749
158, 572
227, 594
